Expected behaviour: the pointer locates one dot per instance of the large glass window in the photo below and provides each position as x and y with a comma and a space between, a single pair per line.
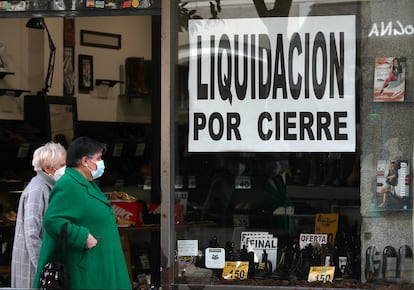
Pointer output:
291, 130
265, 135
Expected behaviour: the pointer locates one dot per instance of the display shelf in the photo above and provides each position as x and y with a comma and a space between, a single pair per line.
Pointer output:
394, 210
4, 73
126, 237
323, 192
136, 96
16, 92
393, 102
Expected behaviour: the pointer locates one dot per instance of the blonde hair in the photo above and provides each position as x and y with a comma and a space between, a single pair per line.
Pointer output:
49, 154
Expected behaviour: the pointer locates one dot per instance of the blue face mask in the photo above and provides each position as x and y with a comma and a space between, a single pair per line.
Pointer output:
100, 168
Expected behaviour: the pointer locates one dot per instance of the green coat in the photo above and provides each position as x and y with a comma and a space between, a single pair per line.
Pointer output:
81, 204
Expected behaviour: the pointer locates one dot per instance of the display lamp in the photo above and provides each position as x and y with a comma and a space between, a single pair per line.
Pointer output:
39, 23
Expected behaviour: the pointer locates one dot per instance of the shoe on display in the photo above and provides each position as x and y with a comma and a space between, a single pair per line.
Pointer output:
120, 195
11, 216
122, 222
389, 263
264, 268
372, 263
327, 256
290, 210
58, 5
280, 211
346, 257
285, 263
229, 251
405, 264
304, 262
135, 72
19, 6
145, 3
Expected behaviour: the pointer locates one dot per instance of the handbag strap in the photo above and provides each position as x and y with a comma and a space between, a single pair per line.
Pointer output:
62, 240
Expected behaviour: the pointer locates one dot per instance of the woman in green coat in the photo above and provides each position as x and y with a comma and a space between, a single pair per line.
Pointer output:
95, 259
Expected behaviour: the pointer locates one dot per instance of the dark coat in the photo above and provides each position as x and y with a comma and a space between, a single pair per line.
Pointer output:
81, 204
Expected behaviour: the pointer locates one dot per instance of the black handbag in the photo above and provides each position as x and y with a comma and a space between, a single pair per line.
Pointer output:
54, 274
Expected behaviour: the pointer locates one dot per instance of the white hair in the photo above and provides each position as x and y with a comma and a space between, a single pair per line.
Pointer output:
49, 154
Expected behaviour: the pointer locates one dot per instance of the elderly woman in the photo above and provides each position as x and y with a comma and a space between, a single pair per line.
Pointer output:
94, 259
49, 163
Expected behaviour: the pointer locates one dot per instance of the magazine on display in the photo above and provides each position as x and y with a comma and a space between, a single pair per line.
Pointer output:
389, 79
393, 185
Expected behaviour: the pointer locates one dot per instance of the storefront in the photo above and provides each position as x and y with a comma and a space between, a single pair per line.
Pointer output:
288, 128
265, 133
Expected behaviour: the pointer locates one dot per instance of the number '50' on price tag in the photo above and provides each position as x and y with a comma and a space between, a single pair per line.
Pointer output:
321, 274
235, 270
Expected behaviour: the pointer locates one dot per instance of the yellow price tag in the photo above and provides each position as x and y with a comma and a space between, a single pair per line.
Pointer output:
235, 270
327, 223
321, 274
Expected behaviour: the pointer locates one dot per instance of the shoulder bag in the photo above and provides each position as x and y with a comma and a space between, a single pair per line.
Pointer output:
54, 274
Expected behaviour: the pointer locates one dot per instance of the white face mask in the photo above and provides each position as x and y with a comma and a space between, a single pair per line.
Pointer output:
100, 168
59, 173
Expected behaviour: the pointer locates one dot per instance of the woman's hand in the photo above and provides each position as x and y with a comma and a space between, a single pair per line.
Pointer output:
90, 242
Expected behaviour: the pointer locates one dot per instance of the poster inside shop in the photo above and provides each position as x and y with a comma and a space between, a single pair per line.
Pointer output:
272, 84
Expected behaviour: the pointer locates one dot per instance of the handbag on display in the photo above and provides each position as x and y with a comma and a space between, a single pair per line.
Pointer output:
54, 274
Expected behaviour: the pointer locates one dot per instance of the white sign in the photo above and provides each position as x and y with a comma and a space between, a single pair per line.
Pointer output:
187, 248
259, 243
215, 258
272, 84
306, 239
244, 236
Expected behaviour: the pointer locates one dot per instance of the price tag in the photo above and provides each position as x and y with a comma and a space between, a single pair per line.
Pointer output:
117, 150
235, 270
321, 274
23, 150
119, 183
145, 264
241, 220
139, 151
242, 182
327, 223
147, 183
178, 182
192, 182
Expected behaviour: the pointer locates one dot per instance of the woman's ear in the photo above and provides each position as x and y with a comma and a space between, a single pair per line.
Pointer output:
47, 169
84, 161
